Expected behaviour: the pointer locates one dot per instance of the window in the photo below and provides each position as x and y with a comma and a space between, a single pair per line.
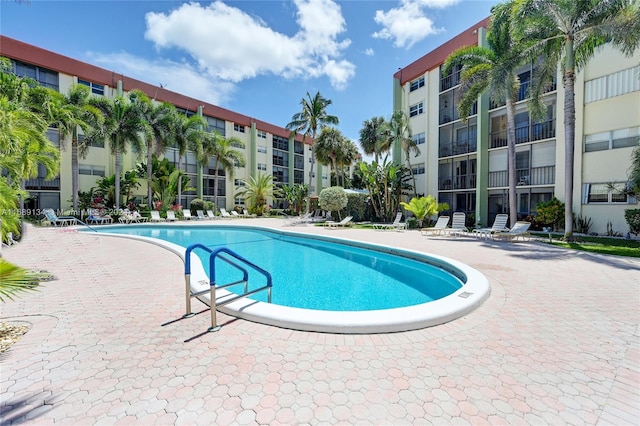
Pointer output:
215, 124
262, 149
609, 86
239, 201
416, 84
94, 143
44, 77
621, 138
238, 128
85, 169
416, 109
96, 89
605, 193
238, 182
262, 166
262, 134
418, 170
419, 138
281, 143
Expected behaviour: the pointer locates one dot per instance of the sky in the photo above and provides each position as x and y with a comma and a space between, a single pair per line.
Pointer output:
257, 58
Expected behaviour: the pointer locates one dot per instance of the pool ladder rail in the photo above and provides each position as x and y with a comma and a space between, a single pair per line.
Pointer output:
214, 302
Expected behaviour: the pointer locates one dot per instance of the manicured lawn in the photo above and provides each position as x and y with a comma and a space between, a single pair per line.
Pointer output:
603, 245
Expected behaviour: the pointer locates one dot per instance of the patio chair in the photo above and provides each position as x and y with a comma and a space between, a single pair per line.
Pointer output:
436, 229
297, 220
200, 215
458, 225
247, 214
224, 213
171, 216
499, 225
519, 230
397, 225
155, 216
97, 218
235, 214
186, 214
330, 224
56, 220
210, 215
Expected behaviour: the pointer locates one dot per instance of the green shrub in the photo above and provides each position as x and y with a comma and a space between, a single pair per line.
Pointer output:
632, 217
333, 199
196, 204
356, 206
581, 224
550, 213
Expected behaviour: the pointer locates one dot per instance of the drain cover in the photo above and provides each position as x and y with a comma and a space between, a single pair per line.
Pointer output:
465, 294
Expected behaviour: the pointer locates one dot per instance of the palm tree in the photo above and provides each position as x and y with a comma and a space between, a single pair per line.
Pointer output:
492, 70
226, 155
257, 191
308, 121
160, 119
124, 125
567, 34
424, 207
374, 137
327, 148
188, 135
68, 114
347, 155
400, 134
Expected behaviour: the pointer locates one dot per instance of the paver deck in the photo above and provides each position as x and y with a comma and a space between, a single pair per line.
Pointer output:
557, 342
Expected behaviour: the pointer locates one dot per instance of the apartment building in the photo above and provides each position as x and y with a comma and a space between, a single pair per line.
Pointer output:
465, 163
268, 147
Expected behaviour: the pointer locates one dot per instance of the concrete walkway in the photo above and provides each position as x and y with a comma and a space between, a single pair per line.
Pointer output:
557, 342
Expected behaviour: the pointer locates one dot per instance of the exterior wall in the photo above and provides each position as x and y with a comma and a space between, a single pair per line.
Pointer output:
70, 70
543, 175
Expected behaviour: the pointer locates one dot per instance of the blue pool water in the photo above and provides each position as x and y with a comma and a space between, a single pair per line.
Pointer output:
312, 273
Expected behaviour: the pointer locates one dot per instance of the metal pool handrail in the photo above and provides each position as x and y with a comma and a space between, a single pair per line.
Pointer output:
213, 254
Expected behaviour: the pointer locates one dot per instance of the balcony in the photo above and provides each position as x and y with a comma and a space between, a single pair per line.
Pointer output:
40, 184
524, 177
446, 183
526, 133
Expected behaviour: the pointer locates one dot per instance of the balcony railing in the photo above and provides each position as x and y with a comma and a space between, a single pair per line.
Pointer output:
457, 148
524, 177
457, 182
527, 133
42, 184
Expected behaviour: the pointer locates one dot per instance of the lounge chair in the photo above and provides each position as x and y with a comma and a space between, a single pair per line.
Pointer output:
247, 214
97, 218
235, 214
519, 230
330, 224
56, 220
186, 214
155, 216
200, 214
171, 216
224, 213
397, 225
297, 220
210, 215
436, 229
499, 225
458, 225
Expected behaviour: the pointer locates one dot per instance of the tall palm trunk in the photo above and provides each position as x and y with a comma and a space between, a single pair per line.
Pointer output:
413, 176
117, 178
215, 184
569, 149
179, 202
75, 184
313, 163
511, 158
149, 175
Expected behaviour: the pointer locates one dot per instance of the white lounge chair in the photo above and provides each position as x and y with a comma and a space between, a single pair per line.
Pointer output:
210, 215
330, 224
235, 214
171, 216
186, 214
397, 225
441, 224
247, 214
155, 216
224, 213
519, 230
458, 225
297, 220
201, 215
499, 225
97, 218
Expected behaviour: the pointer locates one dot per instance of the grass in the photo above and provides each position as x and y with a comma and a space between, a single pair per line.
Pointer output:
602, 245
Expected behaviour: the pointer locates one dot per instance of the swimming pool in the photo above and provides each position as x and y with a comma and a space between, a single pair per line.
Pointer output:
329, 284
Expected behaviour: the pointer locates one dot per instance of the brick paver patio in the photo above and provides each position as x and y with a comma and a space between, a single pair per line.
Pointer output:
557, 342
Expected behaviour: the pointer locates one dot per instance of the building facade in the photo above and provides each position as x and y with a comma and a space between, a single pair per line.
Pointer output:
465, 163
269, 149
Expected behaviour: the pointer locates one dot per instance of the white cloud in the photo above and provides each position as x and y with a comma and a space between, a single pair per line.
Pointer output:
230, 45
369, 52
407, 24
184, 78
